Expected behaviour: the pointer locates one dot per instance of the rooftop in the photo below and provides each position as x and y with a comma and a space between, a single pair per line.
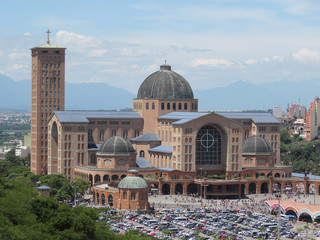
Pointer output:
146, 137
162, 149
84, 116
256, 117
183, 117
143, 163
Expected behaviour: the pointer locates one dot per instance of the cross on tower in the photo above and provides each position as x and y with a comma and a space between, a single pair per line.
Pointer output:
48, 39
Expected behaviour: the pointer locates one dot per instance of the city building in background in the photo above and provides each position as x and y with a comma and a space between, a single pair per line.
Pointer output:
313, 120
277, 112
296, 111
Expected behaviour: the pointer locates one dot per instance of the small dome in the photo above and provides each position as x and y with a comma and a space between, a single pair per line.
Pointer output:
256, 146
133, 182
165, 84
116, 146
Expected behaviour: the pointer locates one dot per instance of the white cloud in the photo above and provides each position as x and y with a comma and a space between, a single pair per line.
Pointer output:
306, 55
266, 59
15, 67
17, 55
71, 40
97, 52
213, 62
278, 58
301, 8
27, 34
250, 62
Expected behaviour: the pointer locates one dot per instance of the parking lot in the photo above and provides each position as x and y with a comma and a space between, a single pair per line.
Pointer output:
178, 217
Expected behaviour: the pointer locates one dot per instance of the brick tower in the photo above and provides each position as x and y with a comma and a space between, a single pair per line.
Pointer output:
47, 95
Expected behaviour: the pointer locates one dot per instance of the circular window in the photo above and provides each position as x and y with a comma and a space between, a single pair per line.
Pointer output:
207, 140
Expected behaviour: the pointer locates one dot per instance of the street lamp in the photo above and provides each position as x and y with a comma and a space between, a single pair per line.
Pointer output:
201, 172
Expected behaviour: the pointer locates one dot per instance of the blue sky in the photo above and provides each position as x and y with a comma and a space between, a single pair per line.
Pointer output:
210, 43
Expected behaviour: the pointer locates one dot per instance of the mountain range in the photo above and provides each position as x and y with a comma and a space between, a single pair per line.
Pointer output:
16, 95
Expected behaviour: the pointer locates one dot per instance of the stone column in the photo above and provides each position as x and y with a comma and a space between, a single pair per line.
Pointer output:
185, 188
246, 188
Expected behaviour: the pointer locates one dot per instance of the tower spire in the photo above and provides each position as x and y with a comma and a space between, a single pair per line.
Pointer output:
48, 39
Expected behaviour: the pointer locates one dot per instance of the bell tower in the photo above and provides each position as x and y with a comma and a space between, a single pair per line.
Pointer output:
47, 95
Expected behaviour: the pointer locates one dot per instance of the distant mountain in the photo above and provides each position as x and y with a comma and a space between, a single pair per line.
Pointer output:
97, 96
247, 96
86, 96
16, 96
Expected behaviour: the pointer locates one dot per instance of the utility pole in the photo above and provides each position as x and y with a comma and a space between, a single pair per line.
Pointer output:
277, 189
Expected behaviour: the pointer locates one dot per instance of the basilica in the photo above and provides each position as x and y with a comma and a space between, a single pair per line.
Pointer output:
174, 147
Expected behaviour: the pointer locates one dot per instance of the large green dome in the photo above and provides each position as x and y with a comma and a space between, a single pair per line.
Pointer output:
116, 146
165, 84
132, 182
256, 146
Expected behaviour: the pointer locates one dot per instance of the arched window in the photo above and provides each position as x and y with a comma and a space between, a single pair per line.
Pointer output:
153, 105
147, 105
124, 195
142, 153
168, 106
162, 106
192, 106
185, 106
133, 196
174, 106
208, 146
93, 159
180, 106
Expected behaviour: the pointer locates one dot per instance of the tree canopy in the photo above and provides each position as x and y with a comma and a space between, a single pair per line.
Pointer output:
25, 214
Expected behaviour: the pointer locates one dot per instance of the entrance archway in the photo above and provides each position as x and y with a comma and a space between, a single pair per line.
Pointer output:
97, 179
291, 212
252, 188
300, 188
311, 188
110, 200
288, 187
166, 189
192, 188
243, 189
264, 188
305, 217
178, 189
114, 177
106, 178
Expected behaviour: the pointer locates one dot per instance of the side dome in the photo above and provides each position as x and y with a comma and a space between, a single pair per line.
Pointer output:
116, 146
256, 146
165, 84
132, 182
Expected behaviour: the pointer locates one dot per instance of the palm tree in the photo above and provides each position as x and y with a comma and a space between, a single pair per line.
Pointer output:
299, 230
263, 229
166, 232
306, 228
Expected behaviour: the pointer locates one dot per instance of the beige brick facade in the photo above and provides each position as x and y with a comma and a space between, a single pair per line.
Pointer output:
47, 95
